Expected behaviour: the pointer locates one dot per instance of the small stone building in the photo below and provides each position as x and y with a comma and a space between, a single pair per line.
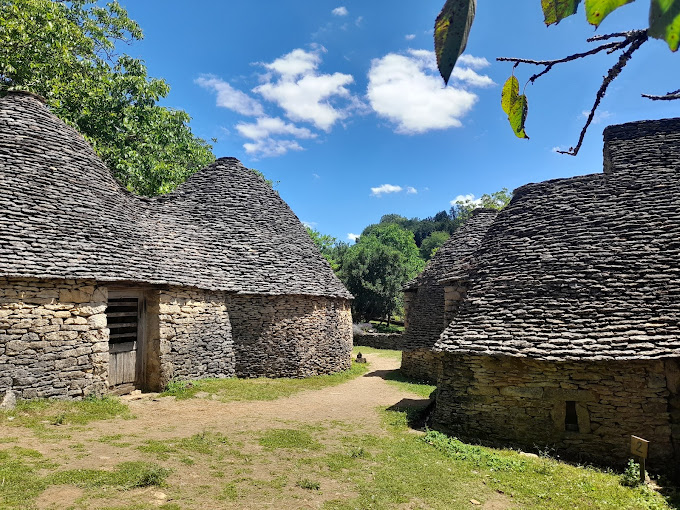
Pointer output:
429, 304
570, 333
102, 290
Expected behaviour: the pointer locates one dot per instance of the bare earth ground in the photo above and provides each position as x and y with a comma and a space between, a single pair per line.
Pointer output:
240, 474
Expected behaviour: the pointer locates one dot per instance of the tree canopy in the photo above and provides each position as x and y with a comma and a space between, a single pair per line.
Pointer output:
452, 28
65, 52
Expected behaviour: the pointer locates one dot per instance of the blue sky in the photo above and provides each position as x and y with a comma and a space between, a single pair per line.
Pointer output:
340, 102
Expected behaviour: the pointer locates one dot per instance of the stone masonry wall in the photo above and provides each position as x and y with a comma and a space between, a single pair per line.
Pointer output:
53, 338
522, 402
421, 365
290, 336
394, 341
195, 335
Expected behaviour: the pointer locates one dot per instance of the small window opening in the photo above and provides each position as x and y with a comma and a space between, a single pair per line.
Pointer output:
570, 417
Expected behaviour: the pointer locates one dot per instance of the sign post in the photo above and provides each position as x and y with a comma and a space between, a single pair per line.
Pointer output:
639, 447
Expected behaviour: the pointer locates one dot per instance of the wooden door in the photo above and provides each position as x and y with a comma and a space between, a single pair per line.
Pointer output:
124, 317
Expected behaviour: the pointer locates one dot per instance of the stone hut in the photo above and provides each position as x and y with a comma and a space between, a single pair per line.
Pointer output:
102, 290
430, 305
570, 333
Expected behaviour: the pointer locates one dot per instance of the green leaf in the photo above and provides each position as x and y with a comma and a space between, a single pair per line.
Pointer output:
598, 10
664, 22
451, 31
555, 11
518, 115
509, 94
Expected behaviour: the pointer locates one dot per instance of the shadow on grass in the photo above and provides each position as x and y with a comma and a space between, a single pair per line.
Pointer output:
417, 411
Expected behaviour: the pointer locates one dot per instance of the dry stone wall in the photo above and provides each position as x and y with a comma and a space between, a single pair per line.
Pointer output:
421, 365
53, 338
195, 335
522, 402
290, 336
394, 341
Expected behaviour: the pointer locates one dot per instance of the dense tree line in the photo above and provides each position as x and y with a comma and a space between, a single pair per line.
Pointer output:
390, 253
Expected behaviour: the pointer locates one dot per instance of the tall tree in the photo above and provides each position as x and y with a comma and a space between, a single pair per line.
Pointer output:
374, 273
65, 52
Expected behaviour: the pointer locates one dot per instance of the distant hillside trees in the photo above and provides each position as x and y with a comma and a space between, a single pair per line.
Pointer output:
390, 253
65, 52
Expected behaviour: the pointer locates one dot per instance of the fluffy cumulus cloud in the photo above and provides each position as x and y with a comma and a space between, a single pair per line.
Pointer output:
410, 37
266, 127
407, 90
466, 198
352, 237
263, 132
385, 189
295, 84
229, 97
340, 11
270, 147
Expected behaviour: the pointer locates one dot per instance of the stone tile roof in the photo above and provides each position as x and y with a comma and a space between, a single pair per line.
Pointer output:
426, 315
63, 215
463, 242
586, 267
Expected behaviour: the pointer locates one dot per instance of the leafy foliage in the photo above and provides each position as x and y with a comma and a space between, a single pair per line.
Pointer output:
664, 22
598, 10
432, 243
64, 51
451, 31
374, 273
555, 11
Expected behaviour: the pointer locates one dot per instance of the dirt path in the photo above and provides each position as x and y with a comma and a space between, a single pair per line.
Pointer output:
331, 414
354, 401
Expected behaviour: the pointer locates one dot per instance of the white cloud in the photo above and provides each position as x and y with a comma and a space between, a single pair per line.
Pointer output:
600, 115
270, 147
410, 37
264, 127
411, 190
471, 77
358, 21
473, 62
229, 97
310, 224
352, 237
305, 95
385, 189
407, 90
340, 11
466, 198
316, 176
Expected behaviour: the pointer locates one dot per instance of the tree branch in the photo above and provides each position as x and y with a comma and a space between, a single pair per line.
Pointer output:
670, 96
638, 40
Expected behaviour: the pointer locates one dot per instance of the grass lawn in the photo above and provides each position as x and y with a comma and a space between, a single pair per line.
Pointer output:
261, 388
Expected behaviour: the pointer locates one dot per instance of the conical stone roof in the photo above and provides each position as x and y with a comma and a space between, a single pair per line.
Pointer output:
586, 267
63, 215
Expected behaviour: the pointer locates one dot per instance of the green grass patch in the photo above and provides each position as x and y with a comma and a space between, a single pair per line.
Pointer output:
382, 327
289, 438
127, 475
38, 414
233, 389
439, 472
387, 353
205, 443
396, 378
308, 484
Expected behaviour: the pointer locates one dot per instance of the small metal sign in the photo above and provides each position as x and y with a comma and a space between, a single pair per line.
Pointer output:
639, 446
